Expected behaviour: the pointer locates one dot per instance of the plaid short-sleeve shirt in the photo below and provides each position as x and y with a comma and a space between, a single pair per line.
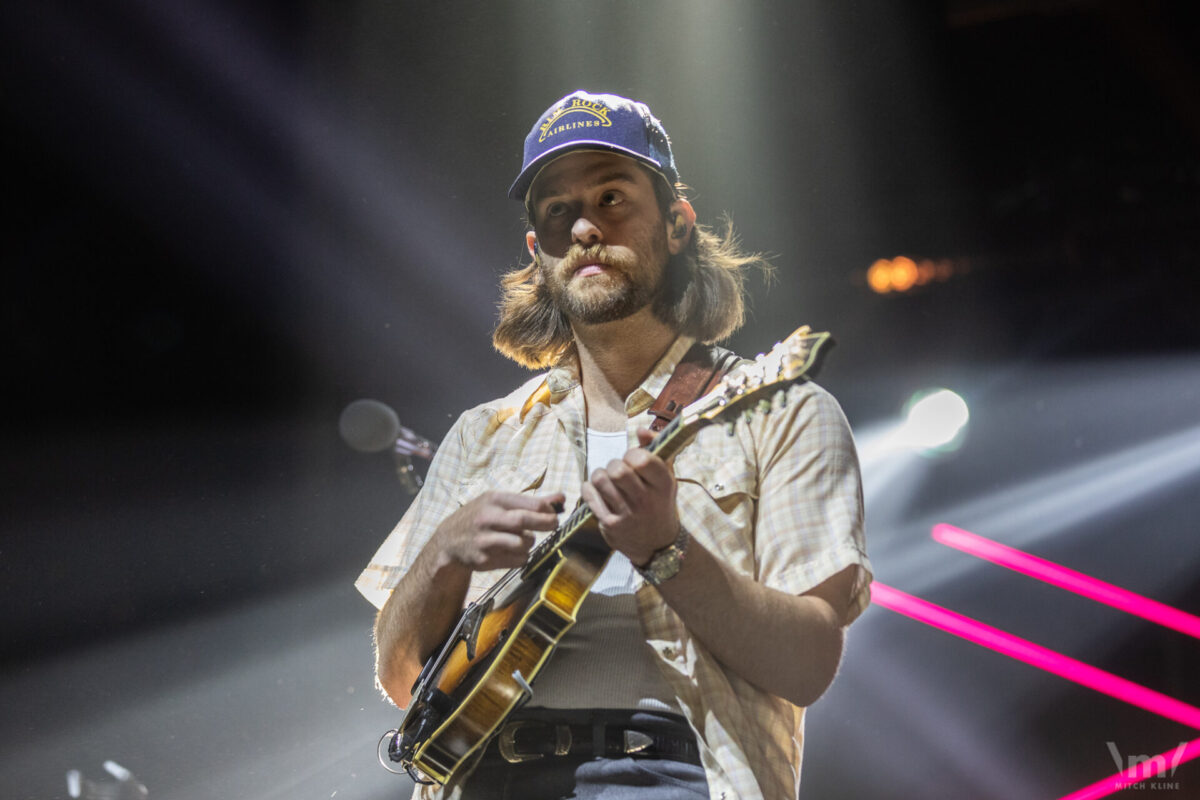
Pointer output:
779, 499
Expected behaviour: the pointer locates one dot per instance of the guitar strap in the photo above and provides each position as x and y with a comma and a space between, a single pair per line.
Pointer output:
696, 374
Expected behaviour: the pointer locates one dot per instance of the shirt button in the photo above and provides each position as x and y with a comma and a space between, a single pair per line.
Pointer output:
668, 652
718, 487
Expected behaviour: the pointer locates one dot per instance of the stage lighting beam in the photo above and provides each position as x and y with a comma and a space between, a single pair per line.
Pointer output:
1069, 579
1034, 654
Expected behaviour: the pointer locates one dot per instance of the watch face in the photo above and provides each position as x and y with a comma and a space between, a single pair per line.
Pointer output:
664, 565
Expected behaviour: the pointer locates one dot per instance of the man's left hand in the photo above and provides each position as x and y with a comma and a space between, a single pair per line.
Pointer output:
633, 498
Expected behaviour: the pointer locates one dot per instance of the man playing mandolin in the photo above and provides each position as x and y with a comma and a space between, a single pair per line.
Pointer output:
737, 563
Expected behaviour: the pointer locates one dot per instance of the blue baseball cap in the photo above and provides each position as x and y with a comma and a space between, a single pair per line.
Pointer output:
585, 121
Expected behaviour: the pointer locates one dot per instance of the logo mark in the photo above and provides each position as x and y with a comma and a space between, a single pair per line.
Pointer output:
1158, 763
578, 105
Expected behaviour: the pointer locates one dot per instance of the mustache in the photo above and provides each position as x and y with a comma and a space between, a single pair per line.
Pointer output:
578, 256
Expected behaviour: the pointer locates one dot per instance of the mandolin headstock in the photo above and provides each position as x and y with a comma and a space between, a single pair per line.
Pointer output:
794, 359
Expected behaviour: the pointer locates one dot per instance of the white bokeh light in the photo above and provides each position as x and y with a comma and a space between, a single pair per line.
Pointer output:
935, 420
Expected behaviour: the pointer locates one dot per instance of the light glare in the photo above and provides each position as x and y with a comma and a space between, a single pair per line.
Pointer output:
935, 420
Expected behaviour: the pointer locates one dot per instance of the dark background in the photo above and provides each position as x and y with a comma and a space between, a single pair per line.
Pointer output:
226, 221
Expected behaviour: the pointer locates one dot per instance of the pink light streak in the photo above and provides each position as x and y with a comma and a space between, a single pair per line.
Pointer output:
1069, 579
1043, 658
1137, 773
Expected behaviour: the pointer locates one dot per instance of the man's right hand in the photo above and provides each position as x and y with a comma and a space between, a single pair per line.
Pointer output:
495, 530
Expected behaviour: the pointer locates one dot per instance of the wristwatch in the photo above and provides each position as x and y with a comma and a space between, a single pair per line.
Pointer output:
667, 561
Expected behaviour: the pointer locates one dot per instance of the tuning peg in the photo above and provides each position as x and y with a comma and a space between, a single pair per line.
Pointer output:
729, 427
764, 405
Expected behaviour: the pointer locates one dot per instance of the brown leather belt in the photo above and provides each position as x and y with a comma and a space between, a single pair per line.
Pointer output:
606, 736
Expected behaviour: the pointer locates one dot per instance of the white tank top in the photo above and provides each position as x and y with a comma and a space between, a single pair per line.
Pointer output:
603, 661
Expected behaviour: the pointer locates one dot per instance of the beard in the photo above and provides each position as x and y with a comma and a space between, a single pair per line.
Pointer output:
626, 286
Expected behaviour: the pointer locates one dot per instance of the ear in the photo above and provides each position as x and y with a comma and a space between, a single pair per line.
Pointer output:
531, 243
681, 220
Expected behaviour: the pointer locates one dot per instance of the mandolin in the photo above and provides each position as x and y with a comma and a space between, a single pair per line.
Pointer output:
486, 667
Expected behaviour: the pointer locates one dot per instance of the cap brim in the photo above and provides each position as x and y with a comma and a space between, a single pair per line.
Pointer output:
524, 181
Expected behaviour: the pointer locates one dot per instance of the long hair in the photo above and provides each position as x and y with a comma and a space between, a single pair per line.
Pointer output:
703, 296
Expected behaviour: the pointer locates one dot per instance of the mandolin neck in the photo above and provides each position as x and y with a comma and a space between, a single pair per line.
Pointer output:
673, 437
666, 444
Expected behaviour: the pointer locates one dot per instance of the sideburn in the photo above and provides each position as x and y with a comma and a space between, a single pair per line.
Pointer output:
670, 306
531, 330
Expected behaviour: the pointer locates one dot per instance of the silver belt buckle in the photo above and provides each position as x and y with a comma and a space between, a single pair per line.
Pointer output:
636, 742
508, 746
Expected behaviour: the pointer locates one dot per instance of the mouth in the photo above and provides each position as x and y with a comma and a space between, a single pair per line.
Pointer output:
595, 268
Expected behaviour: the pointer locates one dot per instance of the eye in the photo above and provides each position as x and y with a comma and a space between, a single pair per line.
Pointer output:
554, 210
611, 198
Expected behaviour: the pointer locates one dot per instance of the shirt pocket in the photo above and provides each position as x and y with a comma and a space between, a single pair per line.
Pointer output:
518, 478
500, 478
717, 498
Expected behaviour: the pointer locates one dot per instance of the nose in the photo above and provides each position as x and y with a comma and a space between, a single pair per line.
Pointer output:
584, 232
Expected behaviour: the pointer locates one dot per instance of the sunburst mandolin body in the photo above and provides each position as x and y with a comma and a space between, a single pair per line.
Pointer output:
514, 640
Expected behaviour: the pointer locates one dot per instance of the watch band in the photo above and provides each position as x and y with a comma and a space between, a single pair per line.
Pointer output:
667, 561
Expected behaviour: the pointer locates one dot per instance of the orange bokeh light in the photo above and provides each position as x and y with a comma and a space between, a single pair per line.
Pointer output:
879, 276
904, 273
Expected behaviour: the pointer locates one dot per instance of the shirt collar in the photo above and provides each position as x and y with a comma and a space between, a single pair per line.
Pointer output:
644, 396
564, 377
